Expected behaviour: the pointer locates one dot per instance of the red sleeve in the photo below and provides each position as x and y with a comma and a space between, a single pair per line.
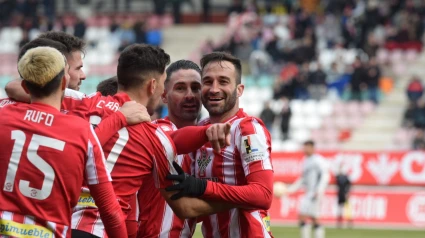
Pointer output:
189, 139
109, 126
257, 194
109, 209
164, 155
95, 167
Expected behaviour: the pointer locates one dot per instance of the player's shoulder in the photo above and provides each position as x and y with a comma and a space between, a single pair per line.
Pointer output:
204, 122
6, 101
166, 125
249, 125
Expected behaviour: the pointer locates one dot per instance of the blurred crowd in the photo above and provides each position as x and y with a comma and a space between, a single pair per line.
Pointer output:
36, 16
327, 51
414, 115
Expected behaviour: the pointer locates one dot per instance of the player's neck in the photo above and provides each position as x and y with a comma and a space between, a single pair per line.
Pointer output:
52, 100
142, 99
179, 123
225, 116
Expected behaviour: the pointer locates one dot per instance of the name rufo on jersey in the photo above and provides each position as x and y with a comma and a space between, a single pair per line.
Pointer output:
38, 117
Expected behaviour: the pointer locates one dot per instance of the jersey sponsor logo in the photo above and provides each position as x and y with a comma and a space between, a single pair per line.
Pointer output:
248, 147
6, 102
253, 149
203, 162
383, 169
86, 200
266, 222
14, 229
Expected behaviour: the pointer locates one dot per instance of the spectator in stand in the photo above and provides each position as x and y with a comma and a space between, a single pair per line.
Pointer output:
139, 31
419, 115
419, 141
301, 82
317, 83
357, 84
236, 7
285, 116
415, 89
80, 28
373, 74
333, 74
267, 116
409, 115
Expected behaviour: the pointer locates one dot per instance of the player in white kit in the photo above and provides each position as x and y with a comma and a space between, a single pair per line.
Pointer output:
314, 179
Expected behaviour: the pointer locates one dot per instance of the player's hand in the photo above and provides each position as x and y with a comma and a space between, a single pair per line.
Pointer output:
188, 186
135, 113
219, 136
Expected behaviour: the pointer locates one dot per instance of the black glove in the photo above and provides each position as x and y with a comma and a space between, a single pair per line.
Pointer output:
189, 186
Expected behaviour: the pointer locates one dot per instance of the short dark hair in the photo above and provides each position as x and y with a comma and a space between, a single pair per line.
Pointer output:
223, 56
181, 64
45, 91
42, 42
108, 87
309, 142
71, 42
138, 62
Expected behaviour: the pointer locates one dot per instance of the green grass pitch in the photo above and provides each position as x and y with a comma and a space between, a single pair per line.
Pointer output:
292, 232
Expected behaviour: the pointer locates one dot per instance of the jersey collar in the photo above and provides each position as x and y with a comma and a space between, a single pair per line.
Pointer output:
122, 97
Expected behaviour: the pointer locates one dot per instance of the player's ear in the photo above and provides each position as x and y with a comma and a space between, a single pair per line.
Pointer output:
152, 86
239, 89
24, 86
64, 83
164, 96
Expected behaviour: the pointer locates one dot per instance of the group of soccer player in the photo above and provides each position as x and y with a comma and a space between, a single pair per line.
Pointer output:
76, 165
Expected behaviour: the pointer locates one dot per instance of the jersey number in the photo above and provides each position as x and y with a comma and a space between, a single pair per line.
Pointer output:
49, 174
118, 147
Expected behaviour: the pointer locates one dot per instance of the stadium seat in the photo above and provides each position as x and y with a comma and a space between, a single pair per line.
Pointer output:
92, 34
324, 108
300, 135
411, 55
313, 122
367, 107
309, 108
297, 121
296, 107
353, 108
382, 56
290, 145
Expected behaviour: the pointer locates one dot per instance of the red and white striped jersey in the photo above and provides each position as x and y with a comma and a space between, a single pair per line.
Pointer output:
44, 168
248, 153
156, 218
134, 155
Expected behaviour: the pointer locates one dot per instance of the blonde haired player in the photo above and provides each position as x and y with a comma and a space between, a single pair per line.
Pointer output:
314, 179
42, 164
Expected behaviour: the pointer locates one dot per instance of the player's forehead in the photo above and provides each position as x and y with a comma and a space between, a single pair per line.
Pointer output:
75, 58
185, 76
218, 69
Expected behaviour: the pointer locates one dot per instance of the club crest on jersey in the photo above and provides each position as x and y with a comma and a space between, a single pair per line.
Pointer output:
248, 148
203, 162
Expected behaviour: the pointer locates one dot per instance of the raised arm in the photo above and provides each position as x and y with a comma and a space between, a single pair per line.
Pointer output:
15, 91
191, 138
99, 182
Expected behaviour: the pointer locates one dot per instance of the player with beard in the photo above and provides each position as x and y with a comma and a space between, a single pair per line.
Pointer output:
182, 94
137, 153
245, 163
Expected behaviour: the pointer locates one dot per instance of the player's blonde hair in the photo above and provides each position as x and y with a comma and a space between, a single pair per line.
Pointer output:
41, 65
